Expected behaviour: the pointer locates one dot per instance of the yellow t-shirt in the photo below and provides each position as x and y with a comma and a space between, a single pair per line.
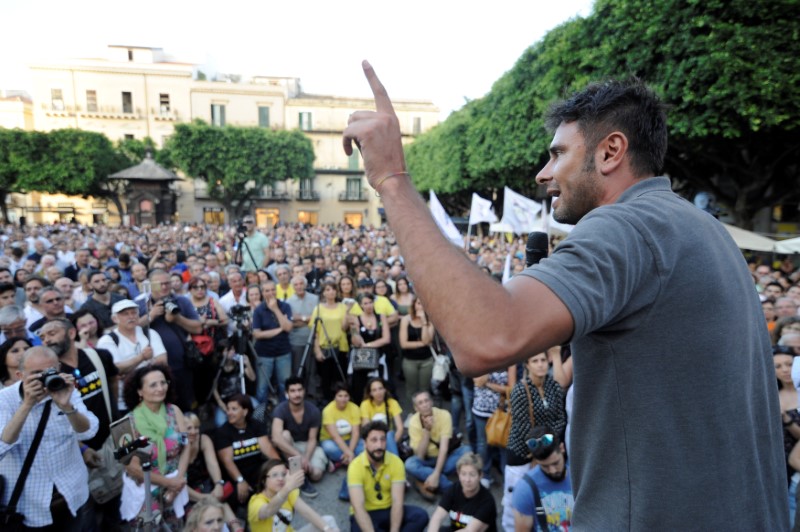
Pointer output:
344, 420
383, 307
442, 429
282, 294
274, 523
359, 473
332, 319
370, 412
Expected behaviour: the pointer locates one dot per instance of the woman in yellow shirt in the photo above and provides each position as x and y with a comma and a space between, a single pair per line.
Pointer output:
272, 508
378, 405
330, 339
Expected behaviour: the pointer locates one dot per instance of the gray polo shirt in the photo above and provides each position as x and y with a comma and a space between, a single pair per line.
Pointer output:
301, 307
676, 423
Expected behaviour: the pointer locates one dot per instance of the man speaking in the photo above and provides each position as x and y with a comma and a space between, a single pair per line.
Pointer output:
676, 423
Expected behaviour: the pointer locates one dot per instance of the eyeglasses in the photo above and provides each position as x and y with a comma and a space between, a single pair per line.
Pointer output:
543, 441
199, 286
53, 300
378, 494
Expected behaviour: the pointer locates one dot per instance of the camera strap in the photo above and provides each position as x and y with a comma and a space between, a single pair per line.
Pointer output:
26, 466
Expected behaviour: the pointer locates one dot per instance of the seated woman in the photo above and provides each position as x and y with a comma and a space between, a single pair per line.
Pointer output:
228, 381
466, 505
204, 477
341, 427
207, 516
278, 496
252, 444
148, 395
378, 405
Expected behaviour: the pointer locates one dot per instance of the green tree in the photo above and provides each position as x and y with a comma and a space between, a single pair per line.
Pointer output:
728, 70
16, 159
237, 162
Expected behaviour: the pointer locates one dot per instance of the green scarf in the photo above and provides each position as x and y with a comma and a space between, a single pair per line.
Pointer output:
154, 426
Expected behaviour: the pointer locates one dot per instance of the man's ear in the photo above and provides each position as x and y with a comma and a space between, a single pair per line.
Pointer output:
611, 152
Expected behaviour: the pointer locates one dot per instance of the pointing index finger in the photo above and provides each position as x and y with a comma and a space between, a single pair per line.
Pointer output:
382, 102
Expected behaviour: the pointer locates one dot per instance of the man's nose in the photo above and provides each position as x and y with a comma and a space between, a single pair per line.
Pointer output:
544, 175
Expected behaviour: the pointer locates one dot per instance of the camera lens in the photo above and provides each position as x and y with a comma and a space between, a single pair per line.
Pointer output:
54, 383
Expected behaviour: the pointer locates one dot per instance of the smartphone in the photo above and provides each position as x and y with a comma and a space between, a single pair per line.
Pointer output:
295, 463
123, 431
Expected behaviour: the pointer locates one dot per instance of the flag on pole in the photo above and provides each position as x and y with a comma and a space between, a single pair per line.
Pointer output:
443, 221
507, 269
481, 211
519, 212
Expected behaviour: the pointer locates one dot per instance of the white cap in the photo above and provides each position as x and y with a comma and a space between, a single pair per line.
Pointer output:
119, 306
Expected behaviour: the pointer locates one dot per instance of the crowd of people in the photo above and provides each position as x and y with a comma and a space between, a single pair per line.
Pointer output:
256, 362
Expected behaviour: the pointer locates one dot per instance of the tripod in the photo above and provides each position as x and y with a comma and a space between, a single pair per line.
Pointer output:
239, 257
310, 345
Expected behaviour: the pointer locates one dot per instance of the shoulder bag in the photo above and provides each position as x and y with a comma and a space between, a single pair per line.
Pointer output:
364, 358
105, 481
10, 520
498, 426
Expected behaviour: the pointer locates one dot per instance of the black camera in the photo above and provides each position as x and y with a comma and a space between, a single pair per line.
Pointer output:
239, 312
241, 230
52, 380
171, 306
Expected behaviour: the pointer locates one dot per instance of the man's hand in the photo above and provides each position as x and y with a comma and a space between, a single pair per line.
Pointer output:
272, 303
377, 134
156, 310
62, 397
92, 458
147, 353
243, 491
426, 421
217, 492
432, 482
33, 390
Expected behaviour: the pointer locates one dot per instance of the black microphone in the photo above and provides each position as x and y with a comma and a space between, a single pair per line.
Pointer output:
536, 249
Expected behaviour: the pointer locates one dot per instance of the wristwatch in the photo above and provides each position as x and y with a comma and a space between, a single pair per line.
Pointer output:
239, 479
221, 481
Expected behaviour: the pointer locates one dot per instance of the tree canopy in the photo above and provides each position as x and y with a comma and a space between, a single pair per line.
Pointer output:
237, 162
728, 71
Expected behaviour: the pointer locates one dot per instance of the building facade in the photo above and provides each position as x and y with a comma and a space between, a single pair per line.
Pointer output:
138, 92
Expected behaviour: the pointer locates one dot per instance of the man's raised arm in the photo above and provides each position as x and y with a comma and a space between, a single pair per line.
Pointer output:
510, 323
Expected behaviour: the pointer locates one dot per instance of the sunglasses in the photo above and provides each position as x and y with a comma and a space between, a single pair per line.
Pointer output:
543, 441
200, 286
378, 494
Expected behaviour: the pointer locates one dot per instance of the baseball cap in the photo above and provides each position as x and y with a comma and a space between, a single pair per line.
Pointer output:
119, 306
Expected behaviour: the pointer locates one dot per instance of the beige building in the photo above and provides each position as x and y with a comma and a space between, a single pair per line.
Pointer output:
138, 92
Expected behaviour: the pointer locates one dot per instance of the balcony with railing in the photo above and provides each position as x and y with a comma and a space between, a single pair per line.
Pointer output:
354, 195
307, 195
269, 193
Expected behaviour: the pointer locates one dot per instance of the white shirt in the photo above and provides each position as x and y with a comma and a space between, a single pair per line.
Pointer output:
127, 350
58, 460
228, 301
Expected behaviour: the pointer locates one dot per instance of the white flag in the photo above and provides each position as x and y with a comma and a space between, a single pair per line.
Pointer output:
507, 269
444, 222
519, 213
481, 211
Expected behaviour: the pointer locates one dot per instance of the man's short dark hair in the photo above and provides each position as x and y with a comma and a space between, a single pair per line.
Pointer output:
628, 106
7, 287
95, 273
291, 381
44, 282
374, 425
540, 446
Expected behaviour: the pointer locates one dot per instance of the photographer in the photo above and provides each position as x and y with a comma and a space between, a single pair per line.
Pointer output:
173, 318
228, 381
47, 497
254, 252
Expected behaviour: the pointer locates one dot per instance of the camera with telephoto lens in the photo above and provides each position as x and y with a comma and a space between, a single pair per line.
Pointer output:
52, 380
239, 312
171, 306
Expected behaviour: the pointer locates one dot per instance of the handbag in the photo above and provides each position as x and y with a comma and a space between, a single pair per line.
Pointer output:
10, 519
441, 368
192, 357
204, 343
499, 425
364, 358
